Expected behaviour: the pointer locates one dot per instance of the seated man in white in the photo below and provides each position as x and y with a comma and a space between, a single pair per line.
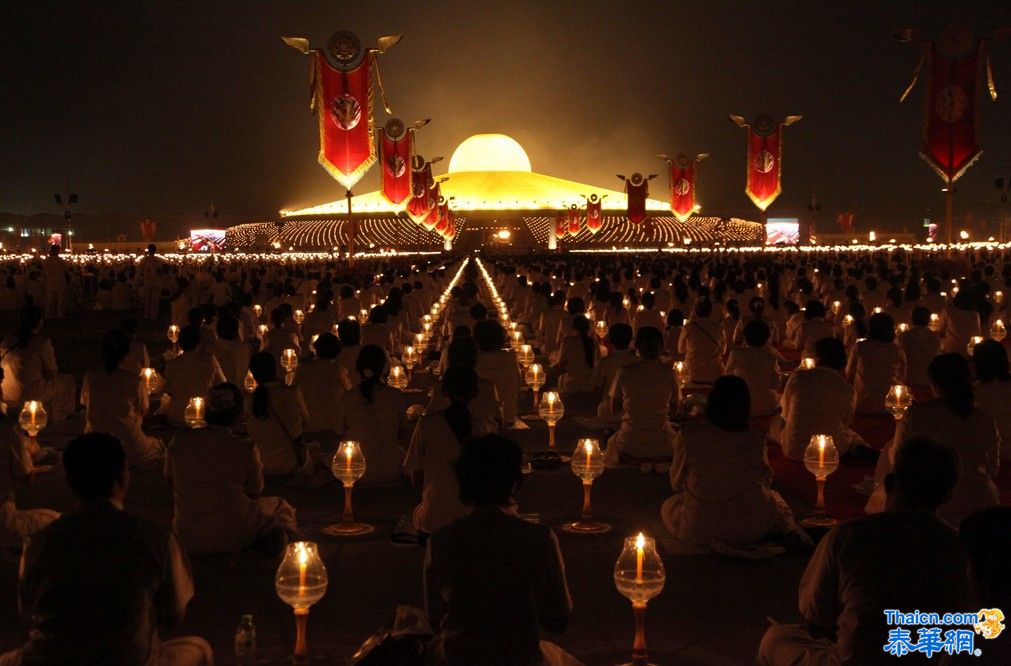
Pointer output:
758, 365
904, 559
818, 401
606, 369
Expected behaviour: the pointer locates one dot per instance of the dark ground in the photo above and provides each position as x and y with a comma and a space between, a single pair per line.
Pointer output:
712, 611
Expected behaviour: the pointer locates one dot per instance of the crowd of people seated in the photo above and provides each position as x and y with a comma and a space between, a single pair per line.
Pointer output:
694, 365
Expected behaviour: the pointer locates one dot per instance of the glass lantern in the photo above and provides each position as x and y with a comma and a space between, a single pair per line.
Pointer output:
935, 322
173, 334
397, 378
262, 329
258, 311
299, 317
587, 464
639, 576
682, 374
534, 377
898, 399
194, 414
33, 418
525, 355
973, 341
601, 328
250, 382
551, 410
515, 340
289, 360
410, 359
301, 581
152, 381
997, 331
821, 458
348, 465
807, 363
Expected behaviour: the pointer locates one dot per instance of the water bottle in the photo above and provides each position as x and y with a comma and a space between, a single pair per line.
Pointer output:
245, 642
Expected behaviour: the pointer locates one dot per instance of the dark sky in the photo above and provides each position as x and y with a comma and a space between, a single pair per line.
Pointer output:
155, 108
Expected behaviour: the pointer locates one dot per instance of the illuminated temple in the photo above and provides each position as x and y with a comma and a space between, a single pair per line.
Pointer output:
498, 199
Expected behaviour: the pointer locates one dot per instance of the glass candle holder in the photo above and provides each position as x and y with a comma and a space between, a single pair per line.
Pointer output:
173, 334
601, 329
525, 355
997, 331
409, 357
639, 576
289, 360
898, 399
681, 370
973, 341
515, 340
551, 410
397, 378
33, 418
807, 363
534, 377
836, 306
301, 581
903, 327
420, 342
998, 297
250, 382
258, 310
935, 322
299, 317
194, 414
363, 315
262, 330
587, 464
348, 465
152, 381
821, 458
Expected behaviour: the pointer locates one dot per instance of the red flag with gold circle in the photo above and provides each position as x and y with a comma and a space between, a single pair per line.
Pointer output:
682, 187
594, 214
396, 145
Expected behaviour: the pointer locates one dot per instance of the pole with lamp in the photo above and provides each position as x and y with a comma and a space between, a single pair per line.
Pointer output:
67, 200
1002, 185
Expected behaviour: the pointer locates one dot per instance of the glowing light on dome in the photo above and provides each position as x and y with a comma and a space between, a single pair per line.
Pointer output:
489, 152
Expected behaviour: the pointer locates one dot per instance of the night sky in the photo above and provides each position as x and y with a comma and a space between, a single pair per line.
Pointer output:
158, 108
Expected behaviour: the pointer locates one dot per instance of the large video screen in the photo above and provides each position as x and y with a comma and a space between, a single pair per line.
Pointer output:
782, 231
207, 240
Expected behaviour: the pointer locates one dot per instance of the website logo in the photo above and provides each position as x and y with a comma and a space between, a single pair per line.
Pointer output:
949, 633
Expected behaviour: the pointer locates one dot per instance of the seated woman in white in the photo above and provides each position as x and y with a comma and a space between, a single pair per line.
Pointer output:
349, 334
486, 407
605, 370
217, 477
649, 315
279, 338
702, 344
377, 331
493, 580
231, 352
721, 477
29, 370
322, 318
16, 465
275, 418
818, 401
959, 322
920, 345
576, 358
188, 375
814, 327
672, 335
758, 365
321, 380
875, 365
372, 414
435, 445
756, 311
116, 401
499, 366
951, 418
645, 393
993, 389
138, 358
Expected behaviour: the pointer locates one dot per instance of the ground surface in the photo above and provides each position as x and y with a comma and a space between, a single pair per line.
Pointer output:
712, 611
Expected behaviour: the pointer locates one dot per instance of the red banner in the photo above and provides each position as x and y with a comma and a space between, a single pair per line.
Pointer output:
419, 204
450, 224
432, 219
147, 229
442, 225
594, 217
573, 220
845, 220
561, 226
682, 187
637, 190
765, 154
951, 119
395, 155
343, 103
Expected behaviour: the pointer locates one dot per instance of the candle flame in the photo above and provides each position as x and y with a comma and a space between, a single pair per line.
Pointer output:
303, 553
33, 407
640, 541
588, 446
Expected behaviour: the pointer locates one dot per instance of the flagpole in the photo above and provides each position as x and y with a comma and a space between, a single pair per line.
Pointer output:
353, 230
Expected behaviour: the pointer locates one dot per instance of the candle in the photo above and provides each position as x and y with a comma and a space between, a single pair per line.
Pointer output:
33, 407
640, 547
588, 447
821, 449
198, 403
303, 562
349, 449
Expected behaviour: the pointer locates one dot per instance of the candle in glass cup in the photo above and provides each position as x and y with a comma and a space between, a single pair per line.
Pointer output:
640, 552
173, 334
997, 331
807, 363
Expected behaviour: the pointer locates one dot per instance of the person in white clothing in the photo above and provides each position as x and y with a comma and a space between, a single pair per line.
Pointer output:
920, 345
576, 358
486, 407
217, 478
231, 353
16, 465
875, 365
321, 380
993, 389
814, 327
645, 393
56, 272
149, 269
758, 366
959, 322
275, 418
29, 370
116, 401
721, 477
818, 401
188, 375
499, 366
952, 419
702, 344
606, 369
372, 414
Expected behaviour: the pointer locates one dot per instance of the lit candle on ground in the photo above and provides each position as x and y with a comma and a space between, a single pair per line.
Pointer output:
303, 562
821, 451
33, 408
640, 546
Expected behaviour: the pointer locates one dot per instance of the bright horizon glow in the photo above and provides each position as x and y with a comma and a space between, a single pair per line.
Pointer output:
489, 152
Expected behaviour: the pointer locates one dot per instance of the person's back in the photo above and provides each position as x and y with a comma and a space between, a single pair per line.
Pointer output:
116, 403
874, 367
277, 431
501, 368
496, 572
920, 345
759, 367
322, 383
186, 376
233, 357
376, 425
702, 343
816, 401
994, 399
